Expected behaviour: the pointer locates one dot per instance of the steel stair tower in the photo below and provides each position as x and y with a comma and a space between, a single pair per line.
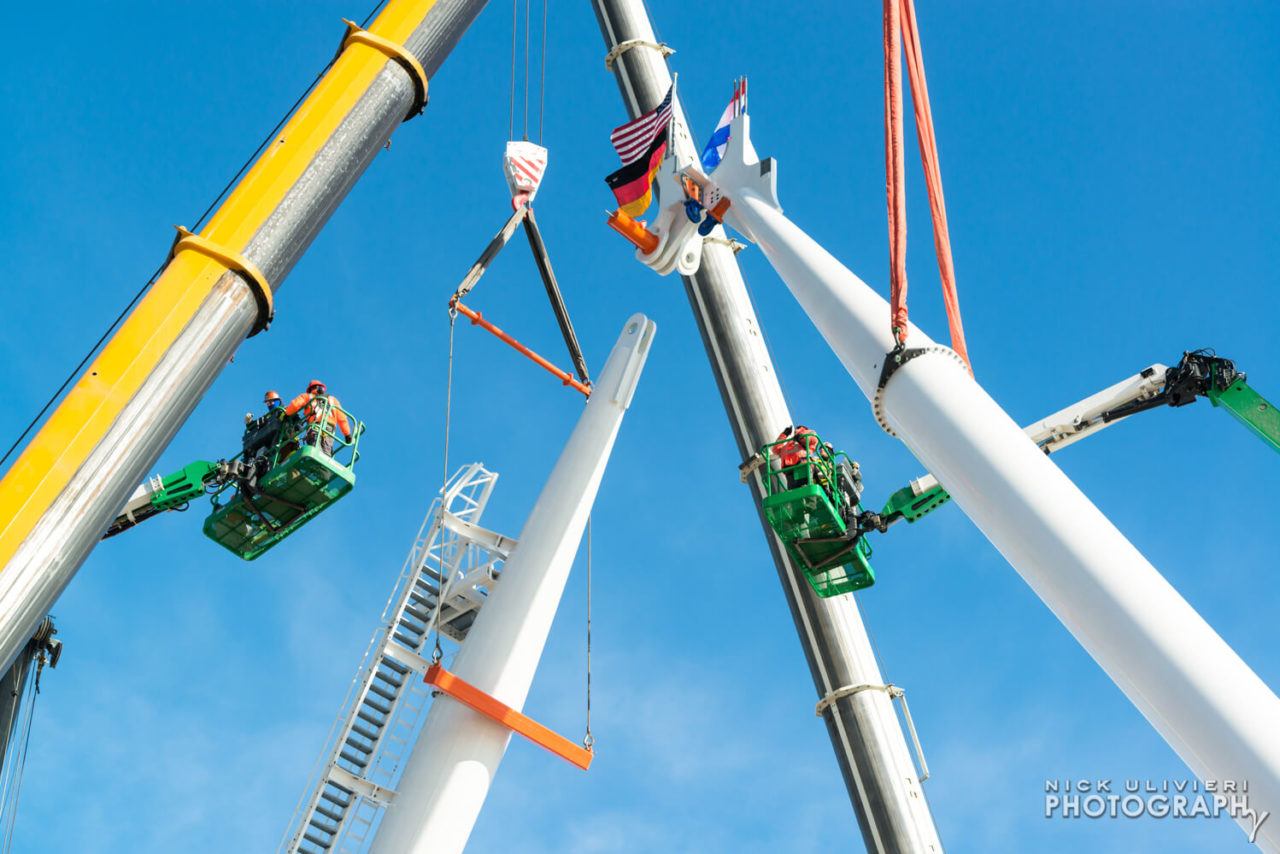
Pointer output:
356, 776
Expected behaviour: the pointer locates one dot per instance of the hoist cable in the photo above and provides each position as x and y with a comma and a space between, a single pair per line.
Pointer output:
527, 4
446, 574
511, 122
588, 740
151, 280
13, 780
542, 84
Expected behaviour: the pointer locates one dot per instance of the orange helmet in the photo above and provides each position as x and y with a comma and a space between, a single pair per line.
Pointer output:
314, 384
270, 396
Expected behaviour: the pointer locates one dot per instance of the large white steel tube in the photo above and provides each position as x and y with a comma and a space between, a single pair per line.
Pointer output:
451, 766
1195, 690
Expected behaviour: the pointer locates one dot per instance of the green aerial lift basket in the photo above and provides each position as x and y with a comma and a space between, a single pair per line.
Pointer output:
807, 510
302, 482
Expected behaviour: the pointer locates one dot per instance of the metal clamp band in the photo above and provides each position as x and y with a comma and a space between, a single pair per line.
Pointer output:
895, 693
726, 241
895, 359
236, 263
396, 52
622, 47
849, 690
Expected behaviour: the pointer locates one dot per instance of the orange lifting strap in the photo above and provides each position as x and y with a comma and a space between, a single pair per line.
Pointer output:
470, 695
900, 32
477, 319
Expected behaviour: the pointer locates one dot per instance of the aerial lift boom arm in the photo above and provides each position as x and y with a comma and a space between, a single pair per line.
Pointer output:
1198, 374
162, 494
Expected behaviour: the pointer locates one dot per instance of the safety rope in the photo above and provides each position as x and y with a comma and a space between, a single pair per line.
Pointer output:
901, 33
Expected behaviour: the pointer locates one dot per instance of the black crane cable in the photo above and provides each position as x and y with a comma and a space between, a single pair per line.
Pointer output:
75, 372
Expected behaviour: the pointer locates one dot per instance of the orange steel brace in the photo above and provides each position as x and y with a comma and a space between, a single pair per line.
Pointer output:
471, 696
477, 319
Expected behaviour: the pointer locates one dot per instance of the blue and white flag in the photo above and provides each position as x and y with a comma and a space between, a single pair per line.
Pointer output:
715, 146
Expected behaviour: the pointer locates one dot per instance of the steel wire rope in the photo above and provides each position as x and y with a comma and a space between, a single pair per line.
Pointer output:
527, 5
542, 84
11, 794
588, 740
442, 588
515, 28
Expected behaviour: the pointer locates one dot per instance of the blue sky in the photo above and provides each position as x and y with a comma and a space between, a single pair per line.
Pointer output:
1110, 180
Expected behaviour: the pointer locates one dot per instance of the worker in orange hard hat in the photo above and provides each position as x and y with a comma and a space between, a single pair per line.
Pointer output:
323, 413
272, 400
794, 447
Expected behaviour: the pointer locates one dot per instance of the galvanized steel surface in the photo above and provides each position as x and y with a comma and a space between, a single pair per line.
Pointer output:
869, 744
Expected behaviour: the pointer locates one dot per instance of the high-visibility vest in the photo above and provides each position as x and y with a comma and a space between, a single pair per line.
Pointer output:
336, 415
797, 450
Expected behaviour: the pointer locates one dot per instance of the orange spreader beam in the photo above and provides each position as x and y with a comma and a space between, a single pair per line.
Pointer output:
477, 319
471, 696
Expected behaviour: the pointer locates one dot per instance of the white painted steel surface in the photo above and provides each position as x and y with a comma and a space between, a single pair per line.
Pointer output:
1195, 690
452, 765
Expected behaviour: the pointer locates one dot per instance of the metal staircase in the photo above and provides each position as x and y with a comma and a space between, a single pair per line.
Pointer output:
379, 721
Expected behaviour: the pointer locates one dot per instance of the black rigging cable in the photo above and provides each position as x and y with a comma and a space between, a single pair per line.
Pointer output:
75, 372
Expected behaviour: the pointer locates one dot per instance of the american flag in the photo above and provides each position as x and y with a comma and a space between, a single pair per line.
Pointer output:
633, 139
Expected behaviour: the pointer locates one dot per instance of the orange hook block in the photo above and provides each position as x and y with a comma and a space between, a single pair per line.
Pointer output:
635, 232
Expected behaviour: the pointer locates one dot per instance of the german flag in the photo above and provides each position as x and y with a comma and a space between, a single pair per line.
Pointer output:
632, 185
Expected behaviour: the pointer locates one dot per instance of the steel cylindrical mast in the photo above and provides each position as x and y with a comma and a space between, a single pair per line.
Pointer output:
75, 474
869, 744
453, 762
1193, 688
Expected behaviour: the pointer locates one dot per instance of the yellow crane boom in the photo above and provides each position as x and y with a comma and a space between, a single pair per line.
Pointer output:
77, 471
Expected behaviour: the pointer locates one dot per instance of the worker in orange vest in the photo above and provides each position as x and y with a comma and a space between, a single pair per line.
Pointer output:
794, 446
312, 404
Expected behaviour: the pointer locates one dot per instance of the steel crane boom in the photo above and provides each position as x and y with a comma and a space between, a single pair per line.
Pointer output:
76, 474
